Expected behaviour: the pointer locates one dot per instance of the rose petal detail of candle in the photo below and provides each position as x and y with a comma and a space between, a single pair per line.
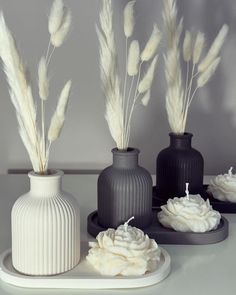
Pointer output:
125, 251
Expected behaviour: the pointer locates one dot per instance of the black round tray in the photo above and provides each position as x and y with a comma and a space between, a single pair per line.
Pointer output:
222, 207
164, 235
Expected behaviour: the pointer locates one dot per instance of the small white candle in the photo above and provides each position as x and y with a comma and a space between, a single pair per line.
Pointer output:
230, 171
127, 223
186, 190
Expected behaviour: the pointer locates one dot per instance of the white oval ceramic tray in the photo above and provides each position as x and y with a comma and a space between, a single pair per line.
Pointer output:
83, 276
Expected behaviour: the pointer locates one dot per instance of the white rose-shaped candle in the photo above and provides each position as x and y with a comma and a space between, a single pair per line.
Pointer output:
189, 214
223, 187
125, 251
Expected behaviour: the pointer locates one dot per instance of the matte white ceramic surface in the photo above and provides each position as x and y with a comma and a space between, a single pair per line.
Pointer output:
83, 276
45, 228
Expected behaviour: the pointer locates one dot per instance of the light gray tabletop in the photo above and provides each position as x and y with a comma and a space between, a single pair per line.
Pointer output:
206, 270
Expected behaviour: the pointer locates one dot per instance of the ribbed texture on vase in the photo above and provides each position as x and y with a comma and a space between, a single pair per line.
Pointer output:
177, 165
122, 194
45, 234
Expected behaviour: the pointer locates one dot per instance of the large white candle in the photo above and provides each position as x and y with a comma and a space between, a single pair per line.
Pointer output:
124, 251
189, 214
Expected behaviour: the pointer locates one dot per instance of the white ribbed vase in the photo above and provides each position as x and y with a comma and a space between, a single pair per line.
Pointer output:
45, 228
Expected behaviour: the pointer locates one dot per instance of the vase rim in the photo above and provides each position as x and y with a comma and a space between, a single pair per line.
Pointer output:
129, 151
184, 135
54, 173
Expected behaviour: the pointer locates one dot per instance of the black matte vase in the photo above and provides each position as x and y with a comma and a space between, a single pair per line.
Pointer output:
178, 164
124, 190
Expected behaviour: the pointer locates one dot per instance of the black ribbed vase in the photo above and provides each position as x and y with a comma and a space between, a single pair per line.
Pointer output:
178, 164
124, 190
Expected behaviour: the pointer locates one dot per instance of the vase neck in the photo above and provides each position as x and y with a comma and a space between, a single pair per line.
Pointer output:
125, 159
45, 186
183, 141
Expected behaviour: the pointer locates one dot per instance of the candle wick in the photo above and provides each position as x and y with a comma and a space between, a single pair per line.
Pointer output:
127, 223
186, 190
230, 171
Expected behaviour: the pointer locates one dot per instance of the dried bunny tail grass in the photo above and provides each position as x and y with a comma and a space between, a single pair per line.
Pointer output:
198, 47
56, 16
20, 93
129, 20
133, 58
55, 127
152, 44
146, 82
59, 36
63, 99
208, 73
43, 83
58, 117
146, 97
187, 46
214, 49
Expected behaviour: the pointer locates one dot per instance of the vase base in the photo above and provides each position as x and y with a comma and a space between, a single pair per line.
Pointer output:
222, 207
164, 235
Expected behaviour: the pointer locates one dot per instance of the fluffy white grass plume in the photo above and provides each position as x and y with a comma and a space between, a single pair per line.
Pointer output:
55, 127
173, 28
129, 20
56, 16
58, 117
133, 58
208, 73
174, 107
20, 93
187, 46
198, 47
21, 96
146, 97
172, 66
214, 49
121, 104
146, 82
152, 44
181, 88
109, 76
43, 83
114, 117
59, 36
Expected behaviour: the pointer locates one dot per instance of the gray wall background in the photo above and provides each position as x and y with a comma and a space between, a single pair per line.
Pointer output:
85, 142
